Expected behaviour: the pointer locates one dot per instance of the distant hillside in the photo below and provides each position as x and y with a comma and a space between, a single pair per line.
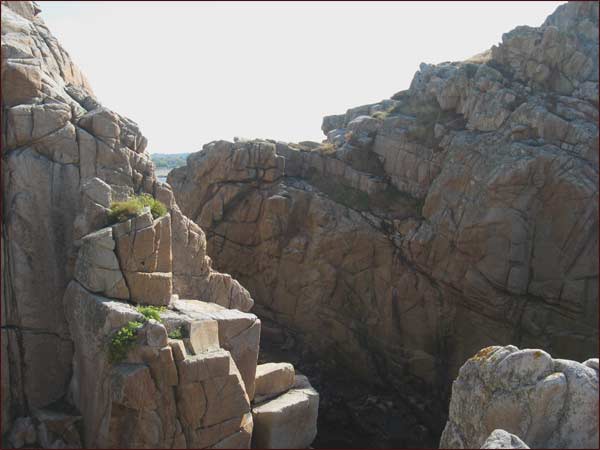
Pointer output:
169, 160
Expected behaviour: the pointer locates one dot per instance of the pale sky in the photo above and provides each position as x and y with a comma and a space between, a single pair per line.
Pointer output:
189, 73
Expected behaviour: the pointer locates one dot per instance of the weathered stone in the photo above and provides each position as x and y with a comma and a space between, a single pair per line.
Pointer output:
241, 438
92, 320
139, 242
274, 378
67, 159
203, 336
502, 439
239, 333
238, 429
225, 397
178, 348
526, 393
191, 404
153, 288
132, 387
97, 267
98, 191
164, 369
156, 334
288, 421
466, 175
204, 366
164, 257
103, 123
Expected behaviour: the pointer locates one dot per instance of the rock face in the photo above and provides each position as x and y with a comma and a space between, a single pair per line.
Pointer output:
153, 398
69, 277
549, 403
460, 213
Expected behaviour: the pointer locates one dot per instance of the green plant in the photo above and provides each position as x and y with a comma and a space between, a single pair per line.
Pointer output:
177, 333
121, 211
157, 208
151, 312
122, 341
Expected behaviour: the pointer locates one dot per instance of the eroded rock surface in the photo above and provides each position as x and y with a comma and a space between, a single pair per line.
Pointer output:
460, 213
67, 276
154, 398
548, 403
289, 420
66, 157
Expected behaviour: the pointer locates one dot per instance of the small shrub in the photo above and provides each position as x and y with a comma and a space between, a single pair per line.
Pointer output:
157, 208
151, 312
177, 333
122, 342
121, 211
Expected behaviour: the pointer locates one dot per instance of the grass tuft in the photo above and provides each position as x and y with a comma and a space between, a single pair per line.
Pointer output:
132, 207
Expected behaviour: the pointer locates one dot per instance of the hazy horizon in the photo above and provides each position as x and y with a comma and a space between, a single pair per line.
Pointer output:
192, 72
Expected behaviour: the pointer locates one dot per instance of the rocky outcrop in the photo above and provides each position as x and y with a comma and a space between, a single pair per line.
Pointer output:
70, 279
185, 381
549, 403
460, 213
160, 395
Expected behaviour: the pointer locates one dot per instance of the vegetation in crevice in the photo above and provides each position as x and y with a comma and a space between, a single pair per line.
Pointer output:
177, 333
122, 341
132, 207
151, 312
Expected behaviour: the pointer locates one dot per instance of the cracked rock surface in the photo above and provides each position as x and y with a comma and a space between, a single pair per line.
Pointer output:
546, 402
460, 213
65, 158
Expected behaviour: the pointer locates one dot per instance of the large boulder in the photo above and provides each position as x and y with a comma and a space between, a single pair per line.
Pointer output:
549, 403
289, 420
274, 378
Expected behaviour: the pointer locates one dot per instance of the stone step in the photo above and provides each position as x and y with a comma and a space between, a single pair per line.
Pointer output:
273, 379
287, 421
238, 332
